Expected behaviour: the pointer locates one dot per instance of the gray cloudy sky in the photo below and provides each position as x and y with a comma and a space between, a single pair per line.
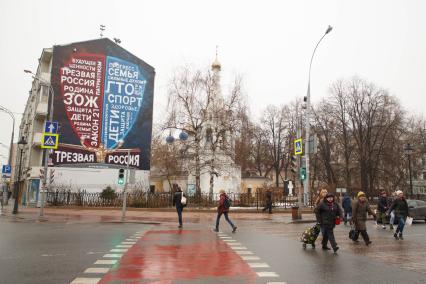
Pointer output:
269, 43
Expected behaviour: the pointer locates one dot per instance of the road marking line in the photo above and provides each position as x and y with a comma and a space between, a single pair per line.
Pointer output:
86, 280
250, 257
114, 255
119, 250
229, 240
238, 248
123, 246
128, 243
235, 244
241, 252
131, 240
276, 283
258, 265
106, 261
225, 237
99, 270
267, 274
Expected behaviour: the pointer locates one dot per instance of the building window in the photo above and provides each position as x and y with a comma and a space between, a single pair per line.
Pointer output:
249, 190
424, 175
152, 189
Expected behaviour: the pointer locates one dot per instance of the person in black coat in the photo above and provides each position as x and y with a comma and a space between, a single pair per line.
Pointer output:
268, 199
400, 207
382, 208
326, 213
177, 201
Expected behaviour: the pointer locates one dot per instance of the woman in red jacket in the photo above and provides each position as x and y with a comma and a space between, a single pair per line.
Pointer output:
223, 208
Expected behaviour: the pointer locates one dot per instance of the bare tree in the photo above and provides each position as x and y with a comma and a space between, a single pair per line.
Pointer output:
195, 107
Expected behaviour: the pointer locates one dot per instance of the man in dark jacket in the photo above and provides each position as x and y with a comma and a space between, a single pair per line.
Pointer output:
326, 213
177, 201
400, 207
382, 208
347, 207
268, 199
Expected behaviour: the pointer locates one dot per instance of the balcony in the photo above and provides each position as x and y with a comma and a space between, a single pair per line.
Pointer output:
37, 139
41, 110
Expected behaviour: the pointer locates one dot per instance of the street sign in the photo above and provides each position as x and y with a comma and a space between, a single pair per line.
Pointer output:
298, 146
49, 141
51, 127
6, 171
340, 190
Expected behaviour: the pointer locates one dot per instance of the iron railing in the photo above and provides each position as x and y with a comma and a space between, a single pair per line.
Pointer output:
162, 200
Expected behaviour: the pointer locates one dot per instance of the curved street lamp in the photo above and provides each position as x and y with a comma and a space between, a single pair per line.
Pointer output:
307, 127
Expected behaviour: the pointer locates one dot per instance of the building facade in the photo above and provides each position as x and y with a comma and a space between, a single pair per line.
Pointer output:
101, 96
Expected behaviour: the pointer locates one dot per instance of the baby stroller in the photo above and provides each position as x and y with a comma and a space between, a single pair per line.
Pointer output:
310, 235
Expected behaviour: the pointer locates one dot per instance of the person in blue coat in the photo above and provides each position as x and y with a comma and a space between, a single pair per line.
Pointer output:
347, 208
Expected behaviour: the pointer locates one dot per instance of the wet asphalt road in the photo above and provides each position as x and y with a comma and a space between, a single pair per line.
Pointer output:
54, 252
58, 252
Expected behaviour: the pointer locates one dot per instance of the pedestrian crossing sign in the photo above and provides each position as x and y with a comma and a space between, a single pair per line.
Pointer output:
298, 146
49, 141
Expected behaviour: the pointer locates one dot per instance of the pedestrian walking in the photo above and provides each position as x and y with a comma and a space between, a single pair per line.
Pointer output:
179, 200
392, 212
268, 200
347, 208
320, 198
328, 214
360, 208
223, 208
400, 208
382, 208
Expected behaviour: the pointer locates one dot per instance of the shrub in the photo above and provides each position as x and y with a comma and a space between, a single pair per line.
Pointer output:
108, 193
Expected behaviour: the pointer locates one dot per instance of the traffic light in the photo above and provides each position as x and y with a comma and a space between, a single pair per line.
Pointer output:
302, 173
293, 164
121, 176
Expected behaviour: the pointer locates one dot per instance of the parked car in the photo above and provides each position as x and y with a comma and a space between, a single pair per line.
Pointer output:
417, 209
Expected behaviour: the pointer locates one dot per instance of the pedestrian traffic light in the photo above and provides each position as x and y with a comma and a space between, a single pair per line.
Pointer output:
121, 176
302, 173
293, 164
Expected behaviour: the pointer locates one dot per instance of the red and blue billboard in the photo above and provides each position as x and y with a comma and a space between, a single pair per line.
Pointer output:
103, 98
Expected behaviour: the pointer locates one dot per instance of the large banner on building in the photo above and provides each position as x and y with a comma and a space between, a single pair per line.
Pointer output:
103, 97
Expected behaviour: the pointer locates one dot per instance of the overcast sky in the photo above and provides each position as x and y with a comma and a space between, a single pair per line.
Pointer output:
269, 43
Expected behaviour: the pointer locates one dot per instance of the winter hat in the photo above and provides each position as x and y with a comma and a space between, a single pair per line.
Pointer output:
361, 193
329, 195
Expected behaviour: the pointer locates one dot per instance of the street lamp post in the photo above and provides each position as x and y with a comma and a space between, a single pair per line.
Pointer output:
17, 189
307, 128
45, 151
408, 148
10, 113
2, 108
183, 136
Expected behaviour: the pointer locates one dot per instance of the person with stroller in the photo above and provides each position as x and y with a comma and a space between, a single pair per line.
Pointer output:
360, 208
400, 208
326, 212
347, 208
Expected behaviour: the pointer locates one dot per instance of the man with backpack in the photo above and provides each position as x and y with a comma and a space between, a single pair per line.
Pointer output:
223, 208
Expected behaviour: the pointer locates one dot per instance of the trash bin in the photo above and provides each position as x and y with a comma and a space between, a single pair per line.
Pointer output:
295, 213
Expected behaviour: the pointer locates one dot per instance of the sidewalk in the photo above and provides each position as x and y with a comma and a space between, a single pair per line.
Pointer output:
155, 216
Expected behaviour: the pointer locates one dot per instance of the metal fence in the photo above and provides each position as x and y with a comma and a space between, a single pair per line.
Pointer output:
162, 200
